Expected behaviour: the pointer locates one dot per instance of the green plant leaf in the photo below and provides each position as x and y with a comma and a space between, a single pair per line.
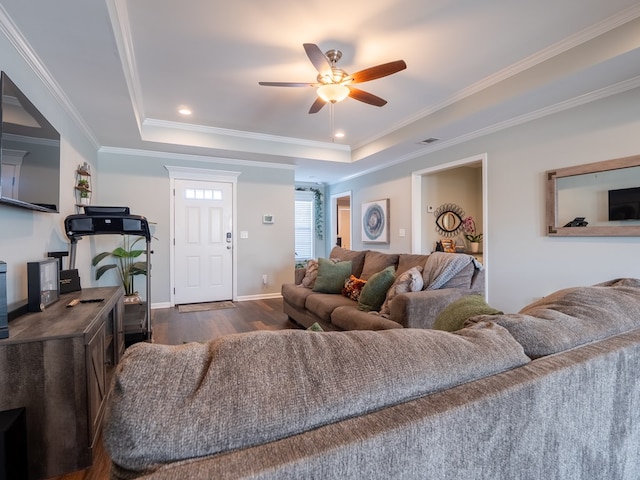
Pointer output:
98, 258
120, 253
104, 268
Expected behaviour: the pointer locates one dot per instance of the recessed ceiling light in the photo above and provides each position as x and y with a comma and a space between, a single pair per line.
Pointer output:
184, 111
339, 134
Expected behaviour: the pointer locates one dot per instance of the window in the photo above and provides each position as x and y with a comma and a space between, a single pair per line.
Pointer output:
202, 194
304, 228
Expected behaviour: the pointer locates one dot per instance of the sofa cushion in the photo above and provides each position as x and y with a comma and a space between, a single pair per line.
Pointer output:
322, 304
375, 262
295, 294
408, 281
249, 389
573, 316
331, 276
375, 290
356, 257
407, 260
310, 274
454, 315
350, 318
353, 287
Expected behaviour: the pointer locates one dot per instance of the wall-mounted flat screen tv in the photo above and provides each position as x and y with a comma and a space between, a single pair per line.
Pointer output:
29, 153
624, 204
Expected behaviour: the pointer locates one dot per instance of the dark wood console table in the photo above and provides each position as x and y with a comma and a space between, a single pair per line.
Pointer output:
58, 364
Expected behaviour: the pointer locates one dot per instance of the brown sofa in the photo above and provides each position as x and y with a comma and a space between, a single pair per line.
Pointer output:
407, 310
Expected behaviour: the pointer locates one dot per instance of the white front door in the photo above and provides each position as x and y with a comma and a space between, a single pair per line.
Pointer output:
203, 241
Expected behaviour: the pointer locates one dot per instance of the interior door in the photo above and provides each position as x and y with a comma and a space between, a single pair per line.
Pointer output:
203, 241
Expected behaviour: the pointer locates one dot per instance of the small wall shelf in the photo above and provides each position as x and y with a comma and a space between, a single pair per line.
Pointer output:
83, 187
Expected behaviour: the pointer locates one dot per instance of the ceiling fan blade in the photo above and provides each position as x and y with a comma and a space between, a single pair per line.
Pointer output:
366, 97
317, 105
318, 59
288, 84
378, 71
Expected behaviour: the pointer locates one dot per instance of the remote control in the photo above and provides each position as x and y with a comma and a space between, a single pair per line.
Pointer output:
92, 300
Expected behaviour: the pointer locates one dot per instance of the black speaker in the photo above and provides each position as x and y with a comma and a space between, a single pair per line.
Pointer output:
4, 322
43, 284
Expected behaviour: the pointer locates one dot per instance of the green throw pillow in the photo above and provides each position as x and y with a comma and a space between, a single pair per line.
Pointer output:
374, 291
455, 314
331, 275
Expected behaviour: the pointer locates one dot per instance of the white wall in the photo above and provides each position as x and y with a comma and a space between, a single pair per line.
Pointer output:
525, 264
141, 182
25, 235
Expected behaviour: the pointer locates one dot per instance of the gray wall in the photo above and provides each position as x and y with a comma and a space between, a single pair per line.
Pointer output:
26, 235
523, 263
140, 181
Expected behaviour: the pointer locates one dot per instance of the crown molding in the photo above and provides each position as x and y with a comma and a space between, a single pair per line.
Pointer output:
263, 137
193, 158
119, 16
587, 34
599, 94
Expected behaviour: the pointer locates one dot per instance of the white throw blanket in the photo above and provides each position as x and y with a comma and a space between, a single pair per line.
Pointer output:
442, 267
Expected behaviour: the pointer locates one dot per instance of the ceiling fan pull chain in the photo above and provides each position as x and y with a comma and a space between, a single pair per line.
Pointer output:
333, 137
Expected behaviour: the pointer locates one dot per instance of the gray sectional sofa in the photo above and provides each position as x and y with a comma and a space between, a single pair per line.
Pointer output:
549, 393
410, 310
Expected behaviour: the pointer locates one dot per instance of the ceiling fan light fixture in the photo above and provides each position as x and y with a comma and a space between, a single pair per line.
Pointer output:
333, 93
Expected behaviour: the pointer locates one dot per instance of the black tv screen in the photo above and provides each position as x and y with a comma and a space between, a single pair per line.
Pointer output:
29, 153
624, 204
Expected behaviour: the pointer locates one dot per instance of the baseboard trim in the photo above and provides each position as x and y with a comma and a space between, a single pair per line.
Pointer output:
246, 298
160, 305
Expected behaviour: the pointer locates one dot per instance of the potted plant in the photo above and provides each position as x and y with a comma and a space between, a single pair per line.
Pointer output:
474, 238
83, 188
126, 264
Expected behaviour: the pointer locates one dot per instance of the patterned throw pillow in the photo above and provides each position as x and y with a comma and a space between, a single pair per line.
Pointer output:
408, 281
353, 287
311, 274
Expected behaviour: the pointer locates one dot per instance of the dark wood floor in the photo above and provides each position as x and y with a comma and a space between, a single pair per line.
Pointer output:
171, 327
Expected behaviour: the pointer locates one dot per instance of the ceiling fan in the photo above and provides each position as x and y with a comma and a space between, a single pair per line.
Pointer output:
334, 84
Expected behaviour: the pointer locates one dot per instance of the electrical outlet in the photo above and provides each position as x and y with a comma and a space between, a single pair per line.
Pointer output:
264, 279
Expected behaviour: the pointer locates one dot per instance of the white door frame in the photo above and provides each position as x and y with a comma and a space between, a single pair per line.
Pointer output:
187, 173
333, 217
416, 206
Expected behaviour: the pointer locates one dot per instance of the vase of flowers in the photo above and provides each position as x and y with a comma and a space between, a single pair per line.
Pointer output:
470, 233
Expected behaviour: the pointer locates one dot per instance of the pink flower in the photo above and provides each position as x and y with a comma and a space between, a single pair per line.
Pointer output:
469, 228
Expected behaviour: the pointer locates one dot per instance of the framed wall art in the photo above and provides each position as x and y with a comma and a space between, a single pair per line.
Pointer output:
375, 221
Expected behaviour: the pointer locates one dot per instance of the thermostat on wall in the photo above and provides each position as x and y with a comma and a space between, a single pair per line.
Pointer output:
267, 219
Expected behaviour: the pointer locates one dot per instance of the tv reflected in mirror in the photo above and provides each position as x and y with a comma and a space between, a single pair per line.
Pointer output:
624, 204
29, 153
